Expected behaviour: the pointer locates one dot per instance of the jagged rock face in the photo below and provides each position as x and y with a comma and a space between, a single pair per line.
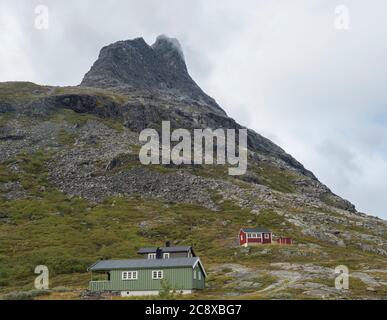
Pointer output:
159, 72
134, 66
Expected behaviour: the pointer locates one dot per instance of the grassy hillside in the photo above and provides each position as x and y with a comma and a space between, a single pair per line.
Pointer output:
68, 235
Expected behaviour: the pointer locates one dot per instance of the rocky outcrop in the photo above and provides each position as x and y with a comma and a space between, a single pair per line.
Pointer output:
134, 67
6, 107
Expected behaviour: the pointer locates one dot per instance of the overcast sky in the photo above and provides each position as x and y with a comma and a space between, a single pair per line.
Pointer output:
280, 67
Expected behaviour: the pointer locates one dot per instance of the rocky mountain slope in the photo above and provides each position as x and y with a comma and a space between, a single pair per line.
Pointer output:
73, 190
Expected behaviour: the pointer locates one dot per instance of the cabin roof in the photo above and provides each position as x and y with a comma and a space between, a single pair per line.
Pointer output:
258, 230
106, 265
166, 249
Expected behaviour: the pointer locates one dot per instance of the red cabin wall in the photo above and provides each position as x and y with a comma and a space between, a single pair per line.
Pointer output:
242, 238
254, 240
284, 240
266, 240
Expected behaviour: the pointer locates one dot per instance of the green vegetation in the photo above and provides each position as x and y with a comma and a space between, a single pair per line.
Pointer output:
167, 292
275, 178
33, 176
80, 119
68, 234
66, 138
277, 223
26, 92
72, 117
24, 295
109, 95
21, 92
6, 175
4, 118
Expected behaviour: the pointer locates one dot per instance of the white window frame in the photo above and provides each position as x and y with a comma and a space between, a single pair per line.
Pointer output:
249, 235
199, 275
166, 255
151, 256
157, 274
194, 274
129, 275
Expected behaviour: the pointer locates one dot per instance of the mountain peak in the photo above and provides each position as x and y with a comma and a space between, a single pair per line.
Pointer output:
171, 51
158, 70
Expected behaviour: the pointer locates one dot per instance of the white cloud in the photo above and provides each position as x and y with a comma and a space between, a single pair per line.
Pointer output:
14, 61
278, 67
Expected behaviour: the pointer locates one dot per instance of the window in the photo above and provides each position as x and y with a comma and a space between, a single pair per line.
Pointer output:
200, 275
129, 275
241, 236
267, 236
151, 256
157, 274
249, 235
254, 235
166, 255
194, 274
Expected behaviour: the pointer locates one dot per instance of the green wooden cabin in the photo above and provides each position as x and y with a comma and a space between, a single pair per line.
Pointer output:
137, 277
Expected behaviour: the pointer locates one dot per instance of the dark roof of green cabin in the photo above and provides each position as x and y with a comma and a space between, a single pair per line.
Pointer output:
167, 249
107, 265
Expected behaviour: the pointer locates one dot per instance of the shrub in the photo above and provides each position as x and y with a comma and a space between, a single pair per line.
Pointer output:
166, 290
61, 289
24, 295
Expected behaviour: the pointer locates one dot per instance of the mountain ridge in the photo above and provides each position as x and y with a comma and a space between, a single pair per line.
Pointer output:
136, 66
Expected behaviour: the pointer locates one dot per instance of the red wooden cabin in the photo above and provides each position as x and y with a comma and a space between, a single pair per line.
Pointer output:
254, 236
284, 240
